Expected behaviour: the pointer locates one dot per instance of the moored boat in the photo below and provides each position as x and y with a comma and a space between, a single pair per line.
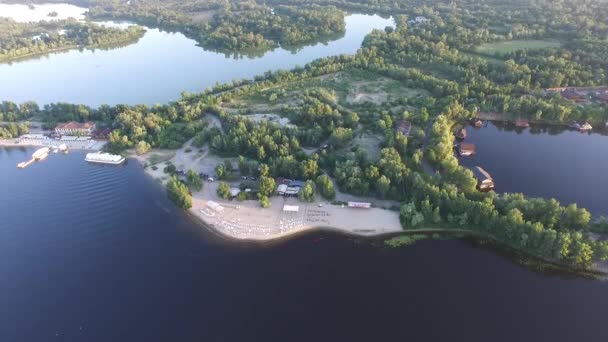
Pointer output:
585, 127
104, 158
41, 153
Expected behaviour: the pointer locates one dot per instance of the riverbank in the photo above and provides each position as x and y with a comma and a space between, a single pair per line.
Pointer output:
109, 45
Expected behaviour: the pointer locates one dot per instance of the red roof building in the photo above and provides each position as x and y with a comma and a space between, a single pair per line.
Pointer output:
75, 128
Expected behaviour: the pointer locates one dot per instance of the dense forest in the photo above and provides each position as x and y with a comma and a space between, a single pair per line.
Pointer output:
18, 40
455, 53
231, 26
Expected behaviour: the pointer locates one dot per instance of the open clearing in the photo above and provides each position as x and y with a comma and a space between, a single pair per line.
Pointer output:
515, 45
351, 87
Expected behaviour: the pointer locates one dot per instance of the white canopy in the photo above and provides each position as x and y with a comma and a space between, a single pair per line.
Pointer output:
291, 208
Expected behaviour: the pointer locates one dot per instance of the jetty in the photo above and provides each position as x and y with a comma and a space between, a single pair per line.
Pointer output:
40, 154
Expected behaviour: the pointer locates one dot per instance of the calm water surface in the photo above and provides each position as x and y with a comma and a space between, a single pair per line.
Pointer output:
567, 165
94, 253
157, 68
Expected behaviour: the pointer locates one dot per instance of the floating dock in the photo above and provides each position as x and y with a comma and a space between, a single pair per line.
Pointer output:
36, 156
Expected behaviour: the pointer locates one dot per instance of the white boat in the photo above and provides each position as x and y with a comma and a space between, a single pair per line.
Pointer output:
585, 127
41, 153
104, 158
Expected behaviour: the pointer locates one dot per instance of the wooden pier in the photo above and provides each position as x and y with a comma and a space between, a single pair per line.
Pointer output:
25, 164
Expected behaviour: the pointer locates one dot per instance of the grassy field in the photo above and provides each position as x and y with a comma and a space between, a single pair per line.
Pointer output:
515, 45
351, 88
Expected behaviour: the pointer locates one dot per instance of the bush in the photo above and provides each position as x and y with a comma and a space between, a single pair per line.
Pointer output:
178, 193
170, 169
223, 190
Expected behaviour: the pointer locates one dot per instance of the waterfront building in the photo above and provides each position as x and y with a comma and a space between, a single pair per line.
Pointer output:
75, 128
466, 149
484, 180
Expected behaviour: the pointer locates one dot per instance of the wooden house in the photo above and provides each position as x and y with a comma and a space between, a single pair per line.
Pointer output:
465, 149
484, 180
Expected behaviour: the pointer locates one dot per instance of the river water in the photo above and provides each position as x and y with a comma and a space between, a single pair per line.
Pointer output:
545, 162
97, 253
157, 69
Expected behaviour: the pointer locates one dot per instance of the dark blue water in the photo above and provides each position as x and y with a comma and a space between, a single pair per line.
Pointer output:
96, 253
545, 162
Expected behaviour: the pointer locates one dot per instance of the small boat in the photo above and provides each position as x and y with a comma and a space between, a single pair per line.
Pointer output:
522, 123
575, 125
585, 127
477, 123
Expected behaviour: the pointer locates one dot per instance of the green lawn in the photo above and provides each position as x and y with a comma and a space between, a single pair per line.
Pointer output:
515, 45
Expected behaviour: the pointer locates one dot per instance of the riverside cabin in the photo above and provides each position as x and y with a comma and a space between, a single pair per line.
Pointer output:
465, 149
484, 180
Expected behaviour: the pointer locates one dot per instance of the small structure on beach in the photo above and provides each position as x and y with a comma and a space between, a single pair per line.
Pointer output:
291, 208
215, 206
461, 134
465, 149
360, 205
522, 123
234, 192
484, 180
281, 189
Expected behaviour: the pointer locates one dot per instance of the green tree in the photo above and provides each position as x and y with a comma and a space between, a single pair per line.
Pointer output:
142, 148
194, 181
223, 190
264, 201
178, 193
326, 186
309, 168
267, 186
307, 193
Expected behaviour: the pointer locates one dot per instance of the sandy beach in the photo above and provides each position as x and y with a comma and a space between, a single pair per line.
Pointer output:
246, 220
